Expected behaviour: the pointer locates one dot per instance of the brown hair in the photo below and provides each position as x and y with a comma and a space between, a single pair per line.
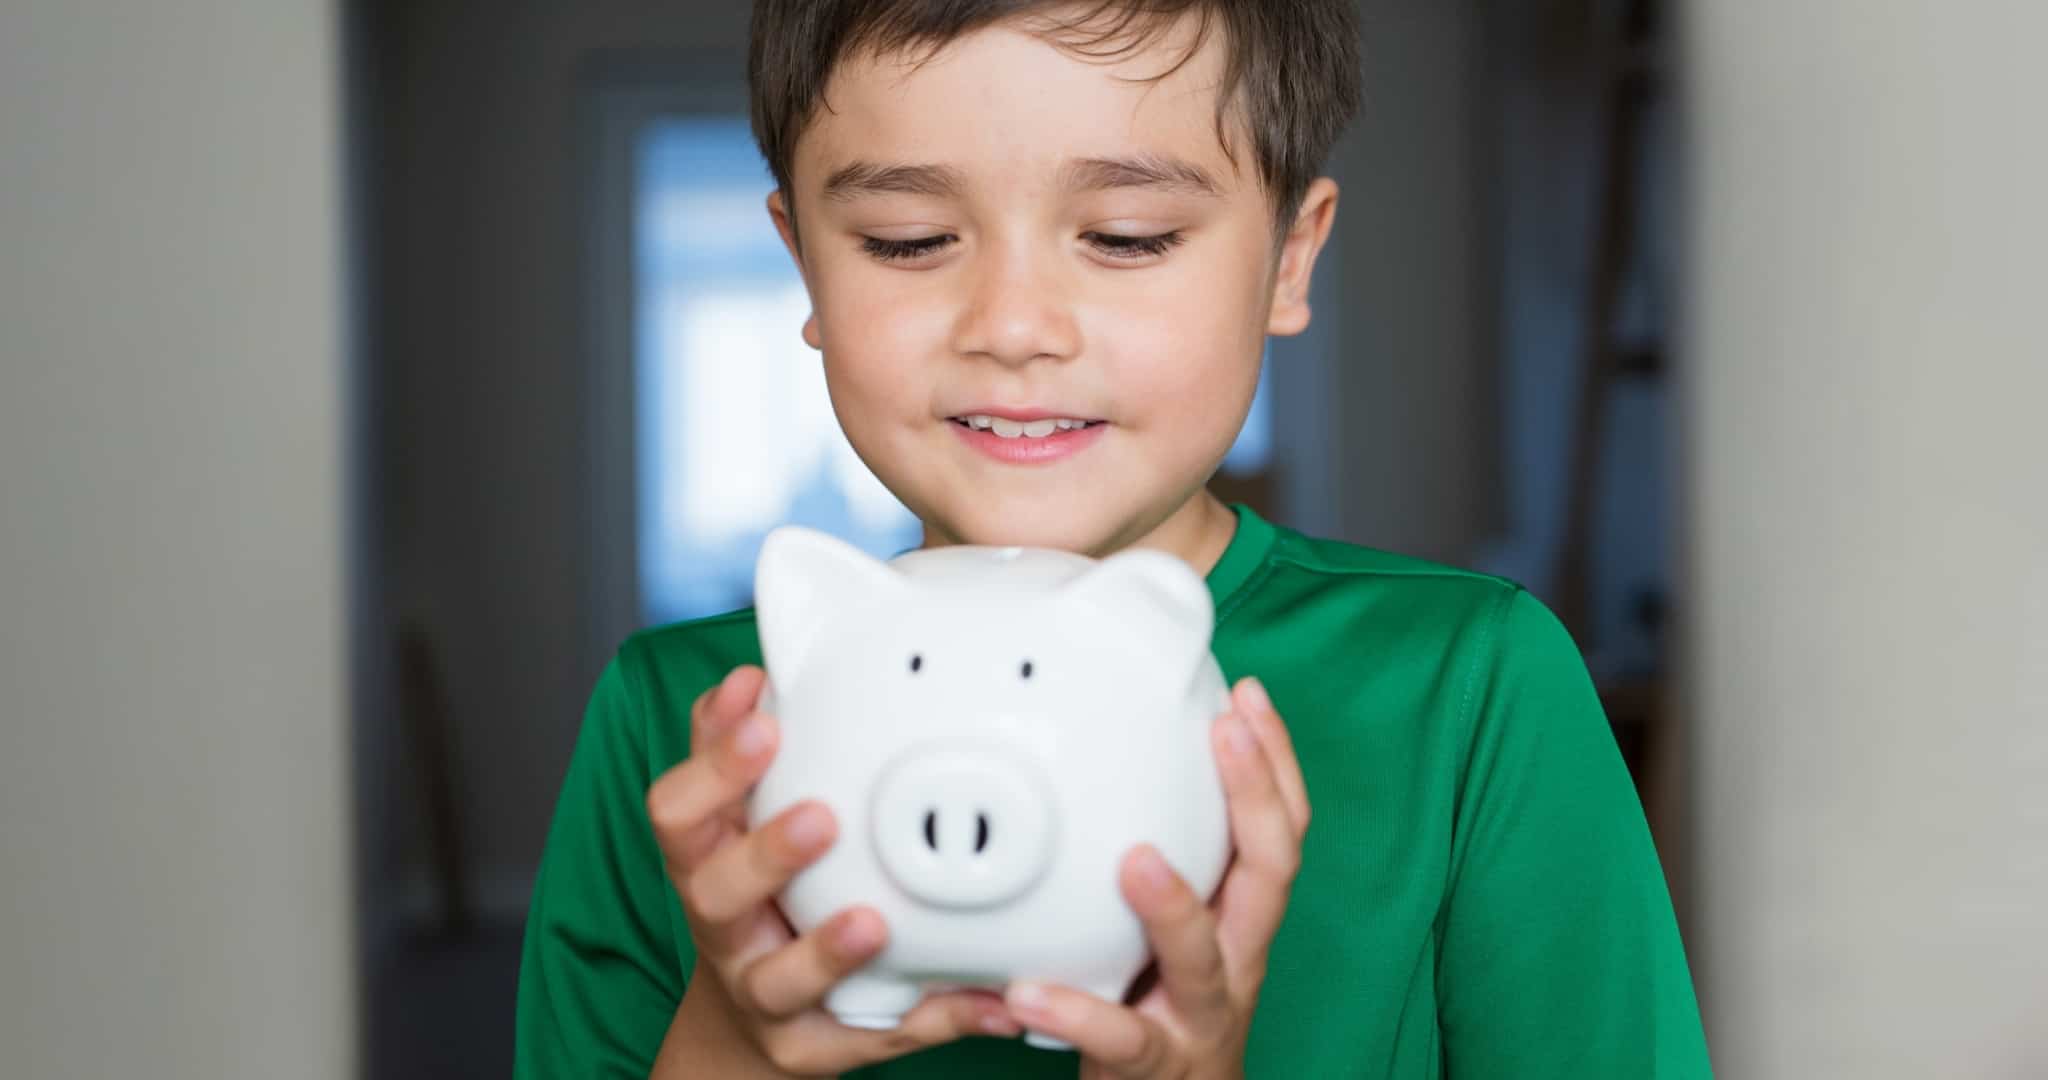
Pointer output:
1293, 66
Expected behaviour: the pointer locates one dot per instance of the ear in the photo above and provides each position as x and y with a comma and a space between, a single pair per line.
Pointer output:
784, 217
1152, 596
1289, 313
805, 580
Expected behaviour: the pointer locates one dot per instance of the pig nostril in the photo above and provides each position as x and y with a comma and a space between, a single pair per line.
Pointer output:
980, 832
931, 830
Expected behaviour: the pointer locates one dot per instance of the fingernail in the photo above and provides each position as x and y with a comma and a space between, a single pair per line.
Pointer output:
1237, 738
998, 1024
858, 935
1255, 697
809, 827
1025, 996
1153, 869
752, 737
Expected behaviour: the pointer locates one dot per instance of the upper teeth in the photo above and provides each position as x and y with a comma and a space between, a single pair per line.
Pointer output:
1011, 429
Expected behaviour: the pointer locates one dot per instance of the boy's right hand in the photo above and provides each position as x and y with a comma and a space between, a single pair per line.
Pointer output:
754, 1000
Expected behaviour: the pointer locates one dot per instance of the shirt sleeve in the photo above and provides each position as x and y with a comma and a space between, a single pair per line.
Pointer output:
605, 957
1560, 956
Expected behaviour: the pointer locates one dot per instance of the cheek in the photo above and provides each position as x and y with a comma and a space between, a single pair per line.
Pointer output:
1192, 344
1200, 397
1209, 304
871, 308
874, 332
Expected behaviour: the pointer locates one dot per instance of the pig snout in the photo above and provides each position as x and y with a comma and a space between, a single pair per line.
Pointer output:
963, 825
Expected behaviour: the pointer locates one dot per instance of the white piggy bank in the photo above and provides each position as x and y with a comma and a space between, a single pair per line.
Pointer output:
995, 729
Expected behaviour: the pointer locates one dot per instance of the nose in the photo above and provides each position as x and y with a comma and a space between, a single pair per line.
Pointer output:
962, 825
1016, 310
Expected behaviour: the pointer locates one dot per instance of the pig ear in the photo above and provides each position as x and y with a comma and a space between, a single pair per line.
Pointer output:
803, 582
1151, 595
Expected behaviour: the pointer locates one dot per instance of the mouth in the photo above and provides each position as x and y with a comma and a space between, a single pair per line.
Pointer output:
1036, 427
1027, 438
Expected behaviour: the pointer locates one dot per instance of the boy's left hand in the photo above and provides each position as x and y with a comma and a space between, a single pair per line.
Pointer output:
1212, 958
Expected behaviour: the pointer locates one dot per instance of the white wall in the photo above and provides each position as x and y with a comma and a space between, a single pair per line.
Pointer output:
175, 900
1869, 570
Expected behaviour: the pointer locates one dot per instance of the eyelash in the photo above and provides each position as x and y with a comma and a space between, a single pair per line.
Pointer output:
1120, 247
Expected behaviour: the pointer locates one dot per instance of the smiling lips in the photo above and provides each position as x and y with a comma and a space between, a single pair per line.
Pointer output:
1032, 439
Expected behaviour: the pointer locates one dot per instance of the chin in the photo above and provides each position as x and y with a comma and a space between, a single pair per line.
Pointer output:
1065, 523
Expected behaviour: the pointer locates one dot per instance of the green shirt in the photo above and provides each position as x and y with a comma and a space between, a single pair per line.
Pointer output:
1478, 894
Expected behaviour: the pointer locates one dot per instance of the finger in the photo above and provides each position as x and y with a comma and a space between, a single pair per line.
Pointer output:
813, 1044
716, 710
692, 793
1182, 932
721, 709
728, 896
795, 978
1254, 894
1104, 1032
1257, 707
942, 1018
742, 876
696, 844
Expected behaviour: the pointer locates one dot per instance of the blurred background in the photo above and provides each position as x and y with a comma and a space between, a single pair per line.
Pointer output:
366, 376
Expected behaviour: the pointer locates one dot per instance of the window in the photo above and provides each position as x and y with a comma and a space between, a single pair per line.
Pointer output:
736, 435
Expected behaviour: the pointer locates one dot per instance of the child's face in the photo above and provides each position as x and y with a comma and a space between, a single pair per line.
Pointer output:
972, 259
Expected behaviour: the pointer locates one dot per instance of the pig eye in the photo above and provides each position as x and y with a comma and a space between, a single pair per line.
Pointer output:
916, 662
1027, 669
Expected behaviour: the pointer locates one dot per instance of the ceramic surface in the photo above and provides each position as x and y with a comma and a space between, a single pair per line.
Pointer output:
994, 728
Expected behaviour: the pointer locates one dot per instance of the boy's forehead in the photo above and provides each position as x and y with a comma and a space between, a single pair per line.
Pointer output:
1009, 100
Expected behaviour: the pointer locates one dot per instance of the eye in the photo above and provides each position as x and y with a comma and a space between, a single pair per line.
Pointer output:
1026, 670
916, 662
1135, 247
902, 250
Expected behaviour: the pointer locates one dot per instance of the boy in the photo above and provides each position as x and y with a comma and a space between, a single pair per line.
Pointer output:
1044, 243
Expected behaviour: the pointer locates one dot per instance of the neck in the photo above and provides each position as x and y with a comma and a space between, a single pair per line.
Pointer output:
1198, 532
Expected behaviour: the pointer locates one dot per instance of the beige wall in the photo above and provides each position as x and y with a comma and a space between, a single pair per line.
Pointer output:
1869, 569
172, 744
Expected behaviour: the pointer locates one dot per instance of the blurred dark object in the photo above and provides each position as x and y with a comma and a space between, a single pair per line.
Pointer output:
423, 713
443, 1006
1637, 697
1258, 489
1632, 82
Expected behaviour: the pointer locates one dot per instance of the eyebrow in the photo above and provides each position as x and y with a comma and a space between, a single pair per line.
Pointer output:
867, 178
1143, 171
1154, 171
